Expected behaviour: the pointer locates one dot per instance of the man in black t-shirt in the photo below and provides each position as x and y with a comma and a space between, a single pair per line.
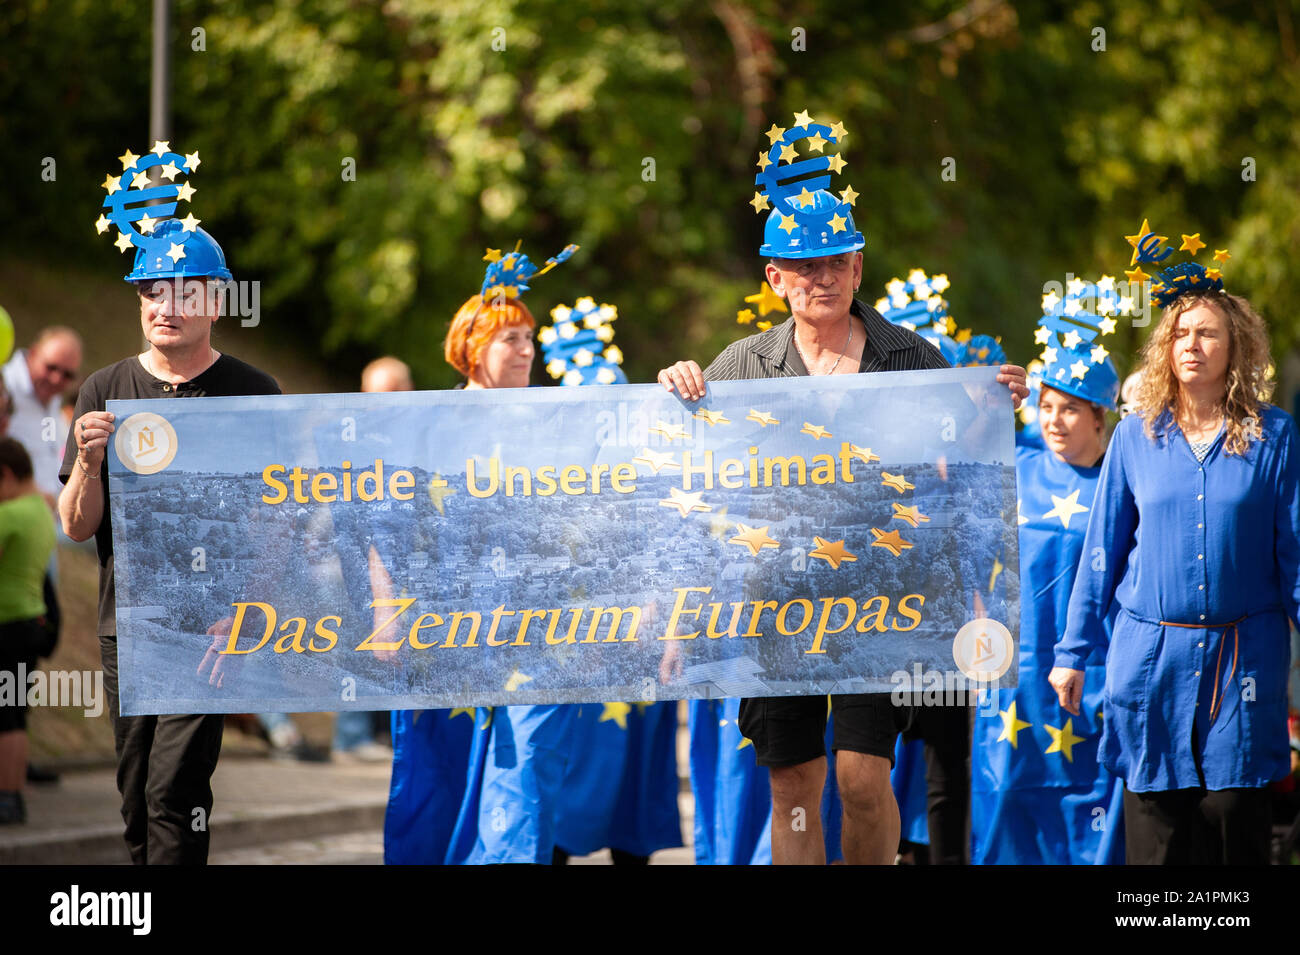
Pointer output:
165, 763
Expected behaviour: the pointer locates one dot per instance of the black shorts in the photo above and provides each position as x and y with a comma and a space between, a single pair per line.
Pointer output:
17, 639
789, 730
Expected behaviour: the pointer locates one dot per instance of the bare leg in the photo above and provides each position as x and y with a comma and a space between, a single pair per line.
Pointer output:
871, 820
796, 813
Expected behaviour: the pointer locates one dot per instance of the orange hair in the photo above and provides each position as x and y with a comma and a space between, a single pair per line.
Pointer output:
475, 324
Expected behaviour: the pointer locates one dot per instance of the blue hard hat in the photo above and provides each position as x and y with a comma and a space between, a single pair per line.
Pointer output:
175, 252
1071, 330
822, 227
1099, 384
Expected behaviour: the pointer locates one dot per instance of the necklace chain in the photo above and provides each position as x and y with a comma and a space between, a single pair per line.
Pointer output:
831, 370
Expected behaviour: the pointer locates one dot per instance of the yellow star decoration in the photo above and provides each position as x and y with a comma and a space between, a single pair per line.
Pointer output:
101, 224
516, 680
787, 223
1136, 240
127, 159
838, 131
838, 223
744, 741
911, 514
1042, 335
759, 202
146, 224
177, 252
745, 316
1221, 255
170, 171
1066, 507
1099, 354
787, 153
864, 455
805, 198
439, 492
1049, 356
161, 146
1192, 244
1213, 274
1106, 326
670, 431
492, 255
763, 161
184, 192
773, 134
617, 712
835, 164
833, 552
761, 417
123, 242
712, 417
1136, 275
1011, 725
1078, 370
140, 179
763, 325
755, 538
848, 196
462, 710
112, 183
1063, 739
802, 120
685, 502
892, 540
816, 430
1071, 339
192, 160
767, 300
189, 223
816, 143
656, 461
896, 481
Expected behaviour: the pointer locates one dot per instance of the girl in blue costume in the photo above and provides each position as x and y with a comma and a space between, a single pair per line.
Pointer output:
1195, 527
1039, 795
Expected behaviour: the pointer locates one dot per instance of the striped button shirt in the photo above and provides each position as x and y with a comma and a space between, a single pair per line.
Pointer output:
772, 354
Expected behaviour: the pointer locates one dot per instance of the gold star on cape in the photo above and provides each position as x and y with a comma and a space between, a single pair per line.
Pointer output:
896, 481
1066, 507
439, 492
670, 431
685, 502
760, 417
655, 460
911, 514
712, 417
755, 538
1011, 725
833, 552
816, 430
767, 300
617, 712
891, 540
1063, 739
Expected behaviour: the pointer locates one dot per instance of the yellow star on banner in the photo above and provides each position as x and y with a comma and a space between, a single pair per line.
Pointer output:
1066, 507
848, 196
1063, 739
833, 552
993, 574
759, 202
1011, 725
123, 242
816, 143
755, 538
176, 252
773, 134
838, 223
160, 147
802, 120
101, 224
911, 514
439, 492
838, 131
146, 224
1136, 275
1136, 240
892, 540
805, 198
516, 680
184, 192
670, 431
462, 710
712, 417
1192, 244
787, 223
192, 160
685, 502
656, 461
896, 481
127, 159
816, 430
763, 161
835, 164
864, 455
617, 712
112, 184
767, 300
189, 223
788, 153
761, 417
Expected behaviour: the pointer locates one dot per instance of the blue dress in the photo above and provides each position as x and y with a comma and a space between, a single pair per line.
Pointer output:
1034, 800
1203, 560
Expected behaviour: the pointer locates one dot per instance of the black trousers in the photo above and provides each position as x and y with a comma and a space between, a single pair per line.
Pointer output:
164, 774
946, 732
1198, 827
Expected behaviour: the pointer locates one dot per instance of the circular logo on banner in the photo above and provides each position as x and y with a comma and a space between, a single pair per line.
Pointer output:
982, 650
145, 442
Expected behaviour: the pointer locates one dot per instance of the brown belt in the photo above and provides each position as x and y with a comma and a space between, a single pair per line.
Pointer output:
1215, 701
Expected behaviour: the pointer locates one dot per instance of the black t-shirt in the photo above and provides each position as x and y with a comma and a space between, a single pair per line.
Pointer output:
227, 377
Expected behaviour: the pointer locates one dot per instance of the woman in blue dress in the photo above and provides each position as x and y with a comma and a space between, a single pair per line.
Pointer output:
1039, 796
1194, 536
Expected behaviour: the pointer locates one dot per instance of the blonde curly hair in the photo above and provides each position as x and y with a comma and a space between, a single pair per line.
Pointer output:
1249, 366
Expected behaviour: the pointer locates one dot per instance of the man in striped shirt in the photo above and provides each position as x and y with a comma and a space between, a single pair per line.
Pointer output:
829, 333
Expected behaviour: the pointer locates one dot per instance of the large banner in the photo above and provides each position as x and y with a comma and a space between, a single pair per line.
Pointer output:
787, 537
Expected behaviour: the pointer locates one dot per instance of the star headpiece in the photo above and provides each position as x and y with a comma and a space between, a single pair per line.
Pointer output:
978, 350
578, 346
128, 191
805, 220
917, 303
508, 275
1070, 331
1173, 281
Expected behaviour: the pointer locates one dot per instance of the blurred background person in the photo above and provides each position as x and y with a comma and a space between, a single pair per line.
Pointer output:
38, 377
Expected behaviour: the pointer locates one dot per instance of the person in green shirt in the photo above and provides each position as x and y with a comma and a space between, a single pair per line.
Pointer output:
26, 540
